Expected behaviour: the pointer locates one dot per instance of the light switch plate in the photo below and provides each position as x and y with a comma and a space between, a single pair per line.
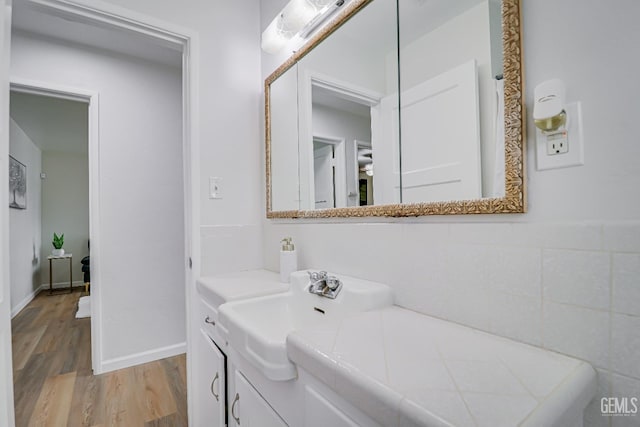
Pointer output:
215, 187
572, 153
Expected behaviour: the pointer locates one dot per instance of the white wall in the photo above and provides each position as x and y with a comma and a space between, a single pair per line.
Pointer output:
285, 193
563, 276
230, 88
141, 193
53, 124
24, 225
65, 209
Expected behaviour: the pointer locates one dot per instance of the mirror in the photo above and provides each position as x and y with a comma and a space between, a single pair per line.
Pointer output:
400, 108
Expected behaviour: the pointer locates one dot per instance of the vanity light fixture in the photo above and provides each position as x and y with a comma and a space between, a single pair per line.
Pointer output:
298, 17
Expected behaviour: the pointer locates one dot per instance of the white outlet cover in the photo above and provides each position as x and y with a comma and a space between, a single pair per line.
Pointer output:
575, 154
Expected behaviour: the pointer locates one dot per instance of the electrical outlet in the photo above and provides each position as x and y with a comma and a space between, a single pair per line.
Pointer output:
215, 187
562, 149
558, 143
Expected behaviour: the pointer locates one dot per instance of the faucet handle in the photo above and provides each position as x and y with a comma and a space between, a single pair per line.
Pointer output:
317, 275
333, 282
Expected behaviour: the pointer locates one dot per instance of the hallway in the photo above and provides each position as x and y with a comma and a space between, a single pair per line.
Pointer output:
53, 381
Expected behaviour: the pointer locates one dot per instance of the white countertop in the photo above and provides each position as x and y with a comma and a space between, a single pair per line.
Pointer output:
217, 290
406, 369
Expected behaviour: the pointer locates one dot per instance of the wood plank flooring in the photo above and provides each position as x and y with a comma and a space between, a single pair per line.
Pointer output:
54, 385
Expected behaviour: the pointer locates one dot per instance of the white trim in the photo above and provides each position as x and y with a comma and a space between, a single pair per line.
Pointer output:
144, 357
34, 88
26, 300
99, 13
191, 163
92, 97
344, 90
340, 167
341, 89
7, 411
42, 288
53, 90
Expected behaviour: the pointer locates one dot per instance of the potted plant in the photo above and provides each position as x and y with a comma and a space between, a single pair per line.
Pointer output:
57, 243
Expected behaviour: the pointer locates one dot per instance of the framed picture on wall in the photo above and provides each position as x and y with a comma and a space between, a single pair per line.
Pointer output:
17, 184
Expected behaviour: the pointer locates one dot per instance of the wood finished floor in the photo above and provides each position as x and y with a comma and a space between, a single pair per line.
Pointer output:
54, 385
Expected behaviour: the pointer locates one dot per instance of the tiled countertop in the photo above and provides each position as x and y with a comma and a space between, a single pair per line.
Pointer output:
407, 369
217, 290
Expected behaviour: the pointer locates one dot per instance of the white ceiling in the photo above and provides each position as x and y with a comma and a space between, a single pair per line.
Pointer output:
329, 99
376, 25
52, 124
419, 17
28, 17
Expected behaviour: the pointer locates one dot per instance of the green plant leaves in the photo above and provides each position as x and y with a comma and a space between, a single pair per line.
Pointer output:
58, 241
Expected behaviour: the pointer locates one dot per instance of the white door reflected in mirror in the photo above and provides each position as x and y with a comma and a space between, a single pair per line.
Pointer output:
324, 175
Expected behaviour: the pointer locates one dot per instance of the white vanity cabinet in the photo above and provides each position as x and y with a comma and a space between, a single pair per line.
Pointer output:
249, 409
210, 384
320, 412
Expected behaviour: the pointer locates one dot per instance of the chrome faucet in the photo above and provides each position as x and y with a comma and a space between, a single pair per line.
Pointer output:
324, 285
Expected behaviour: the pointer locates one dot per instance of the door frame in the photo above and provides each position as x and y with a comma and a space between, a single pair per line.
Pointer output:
97, 13
342, 89
7, 410
92, 99
339, 166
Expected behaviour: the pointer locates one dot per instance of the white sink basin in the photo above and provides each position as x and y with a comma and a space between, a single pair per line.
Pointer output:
257, 328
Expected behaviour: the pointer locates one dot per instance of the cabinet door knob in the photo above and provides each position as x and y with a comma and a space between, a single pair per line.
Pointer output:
233, 409
217, 396
210, 321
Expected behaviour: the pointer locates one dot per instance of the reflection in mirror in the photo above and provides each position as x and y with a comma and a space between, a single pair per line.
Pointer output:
284, 153
348, 110
364, 157
452, 116
400, 106
333, 113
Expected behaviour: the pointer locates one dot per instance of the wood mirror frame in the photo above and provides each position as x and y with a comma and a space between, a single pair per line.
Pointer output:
514, 200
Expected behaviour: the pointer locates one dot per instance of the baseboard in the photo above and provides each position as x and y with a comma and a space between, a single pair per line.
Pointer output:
143, 357
44, 287
22, 304
61, 285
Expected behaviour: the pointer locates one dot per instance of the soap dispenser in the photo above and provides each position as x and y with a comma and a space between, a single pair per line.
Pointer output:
288, 259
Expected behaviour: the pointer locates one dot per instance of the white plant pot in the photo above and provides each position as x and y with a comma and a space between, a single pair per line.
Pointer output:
57, 252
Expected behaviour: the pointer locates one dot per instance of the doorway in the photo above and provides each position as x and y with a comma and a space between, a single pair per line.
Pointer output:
126, 25
61, 124
49, 142
339, 114
329, 172
181, 42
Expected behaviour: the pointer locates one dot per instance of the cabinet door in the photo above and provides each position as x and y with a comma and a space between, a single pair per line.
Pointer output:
210, 381
319, 412
249, 409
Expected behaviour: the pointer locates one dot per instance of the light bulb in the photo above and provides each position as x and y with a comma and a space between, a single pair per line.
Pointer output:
295, 15
272, 40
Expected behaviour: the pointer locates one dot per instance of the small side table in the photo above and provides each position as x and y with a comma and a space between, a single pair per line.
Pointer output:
65, 256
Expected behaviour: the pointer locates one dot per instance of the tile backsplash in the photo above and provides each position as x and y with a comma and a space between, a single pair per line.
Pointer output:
571, 288
229, 248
